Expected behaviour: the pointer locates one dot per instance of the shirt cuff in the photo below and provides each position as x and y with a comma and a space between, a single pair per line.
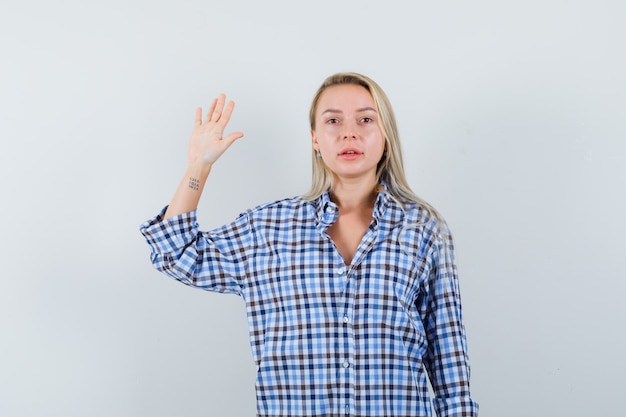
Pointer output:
456, 407
169, 235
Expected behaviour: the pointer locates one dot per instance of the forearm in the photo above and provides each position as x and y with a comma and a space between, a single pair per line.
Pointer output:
206, 145
189, 191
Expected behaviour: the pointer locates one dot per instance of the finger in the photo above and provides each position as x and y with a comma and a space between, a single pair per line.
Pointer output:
219, 107
211, 110
232, 137
228, 111
198, 118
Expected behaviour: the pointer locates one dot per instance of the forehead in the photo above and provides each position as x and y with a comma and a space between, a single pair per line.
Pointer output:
345, 97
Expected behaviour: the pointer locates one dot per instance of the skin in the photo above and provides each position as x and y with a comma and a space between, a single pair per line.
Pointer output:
206, 145
346, 120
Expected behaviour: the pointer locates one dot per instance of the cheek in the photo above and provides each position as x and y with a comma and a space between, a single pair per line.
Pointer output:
323, 138
378, 143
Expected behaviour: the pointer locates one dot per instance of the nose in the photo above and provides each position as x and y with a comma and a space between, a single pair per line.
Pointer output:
349, 131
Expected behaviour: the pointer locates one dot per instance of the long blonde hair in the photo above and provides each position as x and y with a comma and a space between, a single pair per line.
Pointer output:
390, 168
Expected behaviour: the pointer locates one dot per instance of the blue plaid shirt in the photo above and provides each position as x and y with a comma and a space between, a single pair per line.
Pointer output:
331, 339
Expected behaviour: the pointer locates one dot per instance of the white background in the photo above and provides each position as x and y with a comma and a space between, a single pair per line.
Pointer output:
512, 115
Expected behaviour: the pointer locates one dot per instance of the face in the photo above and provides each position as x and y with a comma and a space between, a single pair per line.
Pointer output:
347, 132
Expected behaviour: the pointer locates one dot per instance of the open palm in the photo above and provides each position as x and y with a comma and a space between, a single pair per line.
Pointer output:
207, 141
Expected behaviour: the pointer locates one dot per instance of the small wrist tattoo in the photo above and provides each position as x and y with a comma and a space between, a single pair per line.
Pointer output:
194, 184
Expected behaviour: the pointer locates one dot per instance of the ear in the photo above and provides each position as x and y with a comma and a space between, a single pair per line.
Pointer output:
316, 145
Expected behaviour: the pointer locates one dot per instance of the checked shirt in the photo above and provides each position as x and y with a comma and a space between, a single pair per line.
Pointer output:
331, 339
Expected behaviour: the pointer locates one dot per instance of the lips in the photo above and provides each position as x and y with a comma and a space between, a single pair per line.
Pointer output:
350, 151
350, 154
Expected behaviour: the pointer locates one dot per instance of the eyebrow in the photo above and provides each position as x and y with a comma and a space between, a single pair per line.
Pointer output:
362, 109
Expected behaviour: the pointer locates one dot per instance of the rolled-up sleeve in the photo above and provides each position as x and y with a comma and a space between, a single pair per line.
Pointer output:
213, 260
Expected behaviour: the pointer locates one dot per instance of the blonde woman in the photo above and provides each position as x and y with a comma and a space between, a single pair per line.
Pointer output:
351, 290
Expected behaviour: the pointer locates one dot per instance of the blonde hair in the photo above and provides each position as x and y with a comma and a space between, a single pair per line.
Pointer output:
390, 168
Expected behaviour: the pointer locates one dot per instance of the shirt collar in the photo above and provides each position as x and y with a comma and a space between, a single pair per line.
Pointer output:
327, 211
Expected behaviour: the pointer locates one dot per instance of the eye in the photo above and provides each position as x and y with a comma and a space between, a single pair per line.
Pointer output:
332, 121
367, 120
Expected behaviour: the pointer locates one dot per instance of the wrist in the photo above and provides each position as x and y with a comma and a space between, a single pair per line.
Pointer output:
199, 170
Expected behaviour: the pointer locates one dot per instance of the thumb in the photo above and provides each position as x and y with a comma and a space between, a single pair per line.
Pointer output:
232, 137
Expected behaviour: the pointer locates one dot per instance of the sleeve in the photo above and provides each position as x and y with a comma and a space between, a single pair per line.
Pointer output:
446, 357
213, 261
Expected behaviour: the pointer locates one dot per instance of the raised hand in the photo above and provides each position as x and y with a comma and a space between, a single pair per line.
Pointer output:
207, 141
206, 145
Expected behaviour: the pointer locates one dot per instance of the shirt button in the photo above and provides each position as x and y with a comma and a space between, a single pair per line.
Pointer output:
346, 319
347, 409
341, 271
346, 364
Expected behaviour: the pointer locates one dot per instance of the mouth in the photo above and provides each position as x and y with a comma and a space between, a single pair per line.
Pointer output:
350, 152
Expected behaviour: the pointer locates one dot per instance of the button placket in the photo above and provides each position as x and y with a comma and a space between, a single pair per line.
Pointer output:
347, 336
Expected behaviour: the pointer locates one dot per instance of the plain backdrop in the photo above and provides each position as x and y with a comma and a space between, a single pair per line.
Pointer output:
512, 116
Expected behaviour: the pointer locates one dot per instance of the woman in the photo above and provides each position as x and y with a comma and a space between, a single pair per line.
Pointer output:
351, 291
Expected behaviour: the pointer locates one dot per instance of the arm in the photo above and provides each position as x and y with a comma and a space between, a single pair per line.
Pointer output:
212, 261
447, 360
206, 145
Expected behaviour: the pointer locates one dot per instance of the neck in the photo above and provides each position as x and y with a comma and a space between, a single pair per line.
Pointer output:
353, 195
